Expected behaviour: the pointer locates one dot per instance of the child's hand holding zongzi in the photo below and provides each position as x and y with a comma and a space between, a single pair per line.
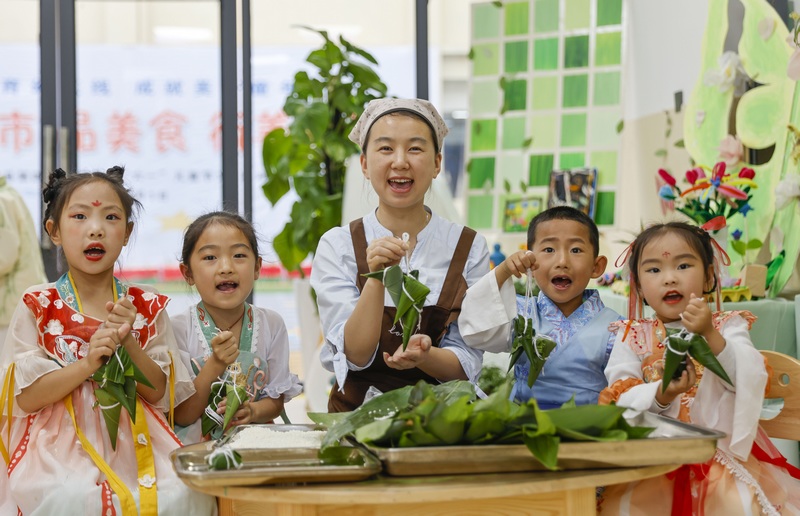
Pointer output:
696, 318
225, 348
515, 265
677, 386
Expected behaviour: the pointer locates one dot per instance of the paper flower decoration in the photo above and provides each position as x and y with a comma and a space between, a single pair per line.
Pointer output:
536, 348
729, 73
679, 343
116, 389
408, 295
231, 387
711, 195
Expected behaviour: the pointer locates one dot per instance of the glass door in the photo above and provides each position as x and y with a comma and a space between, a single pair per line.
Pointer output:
20, 86
149, 98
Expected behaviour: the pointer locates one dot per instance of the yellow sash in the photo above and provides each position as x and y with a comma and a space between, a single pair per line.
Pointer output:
7, 400
119, 487
148, 494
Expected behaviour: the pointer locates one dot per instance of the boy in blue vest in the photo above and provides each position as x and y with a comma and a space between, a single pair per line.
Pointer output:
563, 252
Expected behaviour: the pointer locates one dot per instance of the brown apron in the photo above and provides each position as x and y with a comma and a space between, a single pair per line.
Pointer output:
434, 322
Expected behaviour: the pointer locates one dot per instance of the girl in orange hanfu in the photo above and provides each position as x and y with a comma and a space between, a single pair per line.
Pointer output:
671, 266
55, 440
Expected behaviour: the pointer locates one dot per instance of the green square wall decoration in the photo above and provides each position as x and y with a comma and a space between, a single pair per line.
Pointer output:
516, 18
483, 135
609, 12
545, 15
604, 213
571, 160
573, 130
576, 90
480, 209
485, 21
513, 132
481, 173
577, 14
544, 131
516, 93
606, 88
541, 166
486, 59
512, 168
609, 49
485, 97
576, 51
606, 164
545, 54
544, 92
516, 57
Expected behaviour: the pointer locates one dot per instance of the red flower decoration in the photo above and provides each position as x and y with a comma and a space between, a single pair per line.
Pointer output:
667, 177
719, 170
692, 176
747, 173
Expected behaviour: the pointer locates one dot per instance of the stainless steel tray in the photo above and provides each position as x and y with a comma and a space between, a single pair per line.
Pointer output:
672, 442
270, 465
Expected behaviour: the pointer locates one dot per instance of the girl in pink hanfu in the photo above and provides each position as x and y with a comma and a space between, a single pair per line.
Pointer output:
671, 266
55, 441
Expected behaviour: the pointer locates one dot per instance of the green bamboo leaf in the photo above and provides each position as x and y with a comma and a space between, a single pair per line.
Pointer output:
235, 396
385, 405
587, 419
545, 449
392, 279
111, 410
514, 357
701, 351
448, 420
672, 359
129, 388
373, 432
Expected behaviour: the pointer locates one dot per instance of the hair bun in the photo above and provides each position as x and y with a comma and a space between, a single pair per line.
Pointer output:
116, 172
53, 184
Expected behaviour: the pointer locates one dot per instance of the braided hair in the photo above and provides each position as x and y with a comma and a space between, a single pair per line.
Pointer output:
61, 185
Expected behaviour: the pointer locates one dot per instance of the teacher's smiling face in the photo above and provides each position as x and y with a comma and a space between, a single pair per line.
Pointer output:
401, 160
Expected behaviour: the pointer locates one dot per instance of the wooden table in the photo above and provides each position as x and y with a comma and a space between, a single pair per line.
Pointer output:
565, 492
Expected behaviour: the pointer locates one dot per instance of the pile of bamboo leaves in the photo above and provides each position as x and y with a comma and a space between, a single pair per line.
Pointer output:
450, 414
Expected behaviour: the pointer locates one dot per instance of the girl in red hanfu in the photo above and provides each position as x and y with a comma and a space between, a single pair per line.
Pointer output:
55, 441
671, 266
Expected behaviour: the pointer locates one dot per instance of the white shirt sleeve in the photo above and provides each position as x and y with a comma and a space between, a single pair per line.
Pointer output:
333, 273
487, 315
476, 268
735, 409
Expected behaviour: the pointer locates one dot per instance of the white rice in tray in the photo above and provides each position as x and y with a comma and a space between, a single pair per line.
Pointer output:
262, 437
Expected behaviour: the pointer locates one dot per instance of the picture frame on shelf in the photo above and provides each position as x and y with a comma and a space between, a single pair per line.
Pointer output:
518, 210
576, 187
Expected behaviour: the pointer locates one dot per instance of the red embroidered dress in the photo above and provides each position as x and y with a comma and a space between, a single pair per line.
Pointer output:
61, 459
747, 475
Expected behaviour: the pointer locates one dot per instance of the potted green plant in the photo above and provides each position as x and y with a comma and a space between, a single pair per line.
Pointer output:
310, 154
